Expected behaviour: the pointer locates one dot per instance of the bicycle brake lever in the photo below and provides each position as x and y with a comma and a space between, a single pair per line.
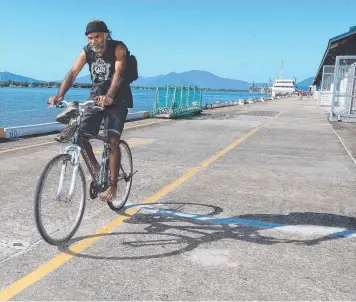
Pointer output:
57, 105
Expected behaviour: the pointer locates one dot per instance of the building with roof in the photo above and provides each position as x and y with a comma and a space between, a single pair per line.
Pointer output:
337, 76
341, 45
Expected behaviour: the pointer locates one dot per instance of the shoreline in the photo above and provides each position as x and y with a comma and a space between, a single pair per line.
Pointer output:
13, 133
133, 87
145, 100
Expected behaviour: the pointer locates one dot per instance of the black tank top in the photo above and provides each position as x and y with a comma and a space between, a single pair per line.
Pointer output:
102, 69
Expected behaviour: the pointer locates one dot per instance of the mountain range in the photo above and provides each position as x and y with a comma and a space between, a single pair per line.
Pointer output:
200, 78
8, 76
306, 83
194, 77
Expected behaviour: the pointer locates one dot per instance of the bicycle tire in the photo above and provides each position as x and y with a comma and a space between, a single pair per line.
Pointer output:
129, 184
37, 204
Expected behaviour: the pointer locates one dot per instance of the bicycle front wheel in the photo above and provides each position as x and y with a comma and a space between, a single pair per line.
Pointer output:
124, 180
60, 200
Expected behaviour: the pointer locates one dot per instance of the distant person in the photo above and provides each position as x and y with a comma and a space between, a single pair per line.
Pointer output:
112, 69
301, 94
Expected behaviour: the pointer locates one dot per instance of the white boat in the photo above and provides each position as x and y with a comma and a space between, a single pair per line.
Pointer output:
284, 86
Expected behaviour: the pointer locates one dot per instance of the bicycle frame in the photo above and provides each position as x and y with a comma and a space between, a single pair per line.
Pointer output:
101, 178
75, 150
103, 175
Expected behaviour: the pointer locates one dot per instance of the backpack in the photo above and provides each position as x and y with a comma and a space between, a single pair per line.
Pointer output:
131, 72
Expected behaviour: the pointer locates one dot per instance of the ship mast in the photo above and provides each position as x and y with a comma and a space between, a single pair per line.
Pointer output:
281, 72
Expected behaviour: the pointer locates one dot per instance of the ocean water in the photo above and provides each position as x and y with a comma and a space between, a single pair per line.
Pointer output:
28, 106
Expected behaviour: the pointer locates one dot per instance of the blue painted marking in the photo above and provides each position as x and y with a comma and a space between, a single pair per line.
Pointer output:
344, 233
228, 220
254, 223
231, 220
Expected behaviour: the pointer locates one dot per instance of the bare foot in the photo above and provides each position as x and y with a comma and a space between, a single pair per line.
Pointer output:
109, 195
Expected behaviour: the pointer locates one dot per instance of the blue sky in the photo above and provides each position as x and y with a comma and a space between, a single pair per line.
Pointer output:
244, 40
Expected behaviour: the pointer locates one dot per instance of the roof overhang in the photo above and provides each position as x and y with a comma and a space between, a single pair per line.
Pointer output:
342, 45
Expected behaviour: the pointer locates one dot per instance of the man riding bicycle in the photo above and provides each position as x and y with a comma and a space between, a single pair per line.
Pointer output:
107, 60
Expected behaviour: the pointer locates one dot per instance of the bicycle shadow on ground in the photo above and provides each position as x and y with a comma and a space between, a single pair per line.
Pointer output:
166, 230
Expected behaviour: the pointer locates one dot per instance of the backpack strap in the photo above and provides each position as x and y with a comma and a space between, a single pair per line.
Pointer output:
131, 68
122, 43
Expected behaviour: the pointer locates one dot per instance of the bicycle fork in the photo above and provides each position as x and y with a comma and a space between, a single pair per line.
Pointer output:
74, 152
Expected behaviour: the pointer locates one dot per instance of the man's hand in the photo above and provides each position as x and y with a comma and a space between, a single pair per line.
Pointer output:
104, 100
54, 100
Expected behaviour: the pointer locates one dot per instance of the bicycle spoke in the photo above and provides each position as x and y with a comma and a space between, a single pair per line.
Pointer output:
59, 208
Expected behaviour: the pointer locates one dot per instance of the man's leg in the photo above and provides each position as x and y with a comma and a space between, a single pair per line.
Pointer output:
115, 159
91, 121
89, 150
116, 119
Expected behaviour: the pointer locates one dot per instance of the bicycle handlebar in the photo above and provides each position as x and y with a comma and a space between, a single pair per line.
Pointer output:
89, 104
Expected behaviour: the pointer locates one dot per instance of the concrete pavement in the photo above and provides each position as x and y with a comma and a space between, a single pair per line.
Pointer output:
252, 203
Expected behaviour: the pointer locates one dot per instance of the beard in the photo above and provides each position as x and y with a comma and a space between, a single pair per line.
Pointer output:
97, 47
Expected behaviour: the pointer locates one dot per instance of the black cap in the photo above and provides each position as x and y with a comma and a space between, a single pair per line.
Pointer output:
96, 26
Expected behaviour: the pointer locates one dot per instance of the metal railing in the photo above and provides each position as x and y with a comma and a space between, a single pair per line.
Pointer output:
344, 89
177, 101
327, 86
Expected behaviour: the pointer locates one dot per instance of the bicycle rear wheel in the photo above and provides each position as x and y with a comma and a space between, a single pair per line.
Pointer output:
58, 220
124, 181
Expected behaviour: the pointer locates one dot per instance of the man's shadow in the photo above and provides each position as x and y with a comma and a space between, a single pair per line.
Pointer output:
176, 230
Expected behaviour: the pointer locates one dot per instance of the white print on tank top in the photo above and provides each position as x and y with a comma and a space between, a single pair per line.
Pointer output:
100, 70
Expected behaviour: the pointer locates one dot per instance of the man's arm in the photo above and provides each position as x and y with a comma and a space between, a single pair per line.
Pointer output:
72, 74
120, 66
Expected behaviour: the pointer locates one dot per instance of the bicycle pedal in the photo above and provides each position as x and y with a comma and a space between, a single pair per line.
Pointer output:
93, 190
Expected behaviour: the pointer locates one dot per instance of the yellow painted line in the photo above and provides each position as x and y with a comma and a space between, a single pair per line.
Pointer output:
26, 147
54, 142
42, 271
59, 260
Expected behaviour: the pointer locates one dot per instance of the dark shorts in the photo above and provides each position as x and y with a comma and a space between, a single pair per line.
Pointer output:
114, 119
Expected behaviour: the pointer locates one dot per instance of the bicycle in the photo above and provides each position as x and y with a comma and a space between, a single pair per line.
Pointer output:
70, 158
